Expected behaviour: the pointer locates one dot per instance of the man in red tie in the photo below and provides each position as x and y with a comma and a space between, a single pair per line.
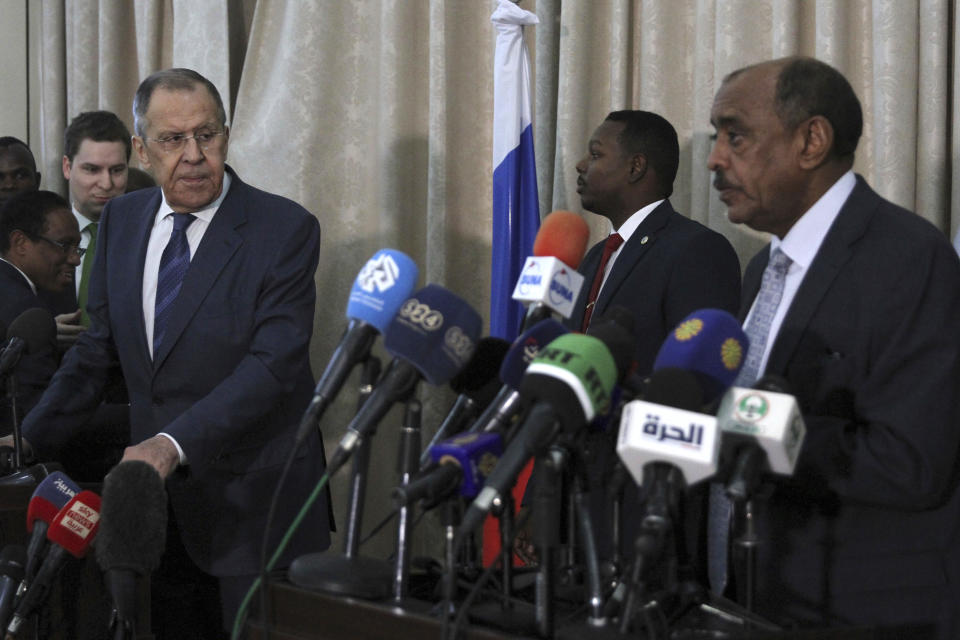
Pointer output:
656, 263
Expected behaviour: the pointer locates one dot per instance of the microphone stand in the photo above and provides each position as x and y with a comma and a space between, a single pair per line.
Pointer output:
407, 466
546, 505
349, 574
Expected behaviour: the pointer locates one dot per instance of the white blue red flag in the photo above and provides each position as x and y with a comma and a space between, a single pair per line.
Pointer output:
516, 208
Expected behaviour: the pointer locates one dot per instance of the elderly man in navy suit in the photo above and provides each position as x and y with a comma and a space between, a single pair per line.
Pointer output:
203, 290
856, 302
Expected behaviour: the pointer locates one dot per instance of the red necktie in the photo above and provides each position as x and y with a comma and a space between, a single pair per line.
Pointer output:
614, 240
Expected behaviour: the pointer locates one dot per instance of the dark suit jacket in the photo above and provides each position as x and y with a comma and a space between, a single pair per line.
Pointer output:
867, 531
230, 380
34, 370
670, 267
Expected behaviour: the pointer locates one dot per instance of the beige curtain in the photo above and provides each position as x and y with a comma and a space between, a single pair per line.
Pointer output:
376, 116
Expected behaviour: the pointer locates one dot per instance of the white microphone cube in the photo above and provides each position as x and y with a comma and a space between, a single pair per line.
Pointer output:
549, 281
772, 418
652, 432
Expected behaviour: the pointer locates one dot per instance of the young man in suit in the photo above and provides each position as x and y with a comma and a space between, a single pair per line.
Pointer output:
203, 290
856, 302
39, 242
656, 263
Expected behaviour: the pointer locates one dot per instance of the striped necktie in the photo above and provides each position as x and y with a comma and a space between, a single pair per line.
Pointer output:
173, 266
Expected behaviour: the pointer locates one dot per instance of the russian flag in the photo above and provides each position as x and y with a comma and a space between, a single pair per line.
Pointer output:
516, 207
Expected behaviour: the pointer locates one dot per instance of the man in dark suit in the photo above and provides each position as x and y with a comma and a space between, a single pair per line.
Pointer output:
856, 303
203, 290
39, 242
660, 265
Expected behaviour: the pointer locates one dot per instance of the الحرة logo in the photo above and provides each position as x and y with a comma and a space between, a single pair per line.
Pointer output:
420, 314
731, 353
688, 329
753, 407
379, 273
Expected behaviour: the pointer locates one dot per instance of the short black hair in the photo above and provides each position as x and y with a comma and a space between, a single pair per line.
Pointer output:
27, 212
172, 80
99, 126
9, 141
652, 135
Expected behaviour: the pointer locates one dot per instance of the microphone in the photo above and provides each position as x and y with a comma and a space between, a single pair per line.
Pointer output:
432, 337
476, 385
28, 333
763, 430
549, 281
507, 404
710, 344
12, 561
382, 285
462, 463
72, 531
568, 383
666, 427
48, 498
132, 536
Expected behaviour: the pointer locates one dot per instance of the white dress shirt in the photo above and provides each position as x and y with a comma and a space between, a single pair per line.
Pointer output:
801, 245
159, 237
626, 230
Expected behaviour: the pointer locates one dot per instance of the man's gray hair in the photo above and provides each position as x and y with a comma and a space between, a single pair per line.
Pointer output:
171, 80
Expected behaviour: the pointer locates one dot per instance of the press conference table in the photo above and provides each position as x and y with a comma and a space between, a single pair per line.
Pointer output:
299, 614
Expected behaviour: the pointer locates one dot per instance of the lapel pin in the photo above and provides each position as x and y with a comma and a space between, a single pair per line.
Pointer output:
644, 239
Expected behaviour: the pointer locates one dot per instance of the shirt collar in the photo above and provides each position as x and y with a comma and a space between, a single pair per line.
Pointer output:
205, 214
627, 228
805, 237
82, 220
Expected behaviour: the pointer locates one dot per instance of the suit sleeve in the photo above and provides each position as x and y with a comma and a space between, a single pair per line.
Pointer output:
884, 428
77, 387
275, 362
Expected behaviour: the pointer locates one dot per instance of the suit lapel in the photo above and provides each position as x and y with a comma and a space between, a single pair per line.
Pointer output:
836, 250
644, 237
138, 223
220, 241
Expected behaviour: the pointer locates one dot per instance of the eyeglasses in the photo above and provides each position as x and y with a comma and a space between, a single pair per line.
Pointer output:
63, 246
178, 141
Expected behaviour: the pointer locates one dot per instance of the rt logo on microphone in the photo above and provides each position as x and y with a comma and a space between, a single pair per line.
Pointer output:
379, 273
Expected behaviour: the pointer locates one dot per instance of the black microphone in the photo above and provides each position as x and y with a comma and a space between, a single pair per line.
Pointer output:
133, 530
476, 385
28, 333
12, 561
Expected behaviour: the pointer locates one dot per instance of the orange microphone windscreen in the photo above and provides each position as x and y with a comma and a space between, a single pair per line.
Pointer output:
562, 235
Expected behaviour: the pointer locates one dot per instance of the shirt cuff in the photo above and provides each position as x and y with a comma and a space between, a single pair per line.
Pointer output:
183, 457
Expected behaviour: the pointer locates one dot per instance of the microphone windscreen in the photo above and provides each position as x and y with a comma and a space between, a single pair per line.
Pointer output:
526, 347
134, 518
49, 497
563, 235
36, 327
575, 374
436, 331
383, 284
673, 387
475, 453
710, 344
482, 369
76, 524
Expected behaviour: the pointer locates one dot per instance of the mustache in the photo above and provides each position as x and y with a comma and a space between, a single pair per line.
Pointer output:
719, 183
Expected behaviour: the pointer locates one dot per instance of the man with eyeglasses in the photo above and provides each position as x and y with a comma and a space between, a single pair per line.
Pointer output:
39, 250
203, 289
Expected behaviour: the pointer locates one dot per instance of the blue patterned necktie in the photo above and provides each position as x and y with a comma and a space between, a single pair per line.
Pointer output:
757, 330
173, 266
